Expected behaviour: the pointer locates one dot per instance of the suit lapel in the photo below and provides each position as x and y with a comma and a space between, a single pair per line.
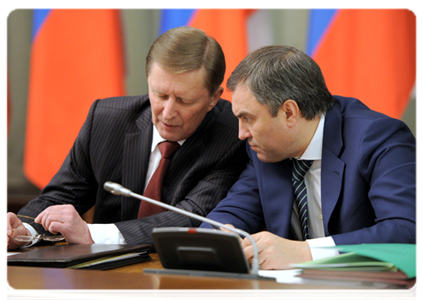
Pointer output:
332, 167
185, 158
181, 163
136, 155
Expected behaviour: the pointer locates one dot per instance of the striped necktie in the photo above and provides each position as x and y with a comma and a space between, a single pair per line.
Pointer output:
299, 169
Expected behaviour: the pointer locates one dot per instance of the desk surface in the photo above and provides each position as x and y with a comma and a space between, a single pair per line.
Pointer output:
129, 282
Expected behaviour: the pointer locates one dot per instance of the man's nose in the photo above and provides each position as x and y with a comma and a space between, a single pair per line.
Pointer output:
243, 132
169, 109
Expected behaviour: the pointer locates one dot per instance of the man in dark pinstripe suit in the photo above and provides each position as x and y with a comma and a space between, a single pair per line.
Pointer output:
118, 142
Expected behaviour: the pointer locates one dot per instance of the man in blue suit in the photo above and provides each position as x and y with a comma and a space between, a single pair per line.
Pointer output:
361, 183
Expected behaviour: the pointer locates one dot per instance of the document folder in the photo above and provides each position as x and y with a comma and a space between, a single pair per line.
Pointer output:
382, 263
95, 256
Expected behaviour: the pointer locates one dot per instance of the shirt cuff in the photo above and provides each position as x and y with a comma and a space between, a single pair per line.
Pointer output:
33, 233
106, 234
318, 250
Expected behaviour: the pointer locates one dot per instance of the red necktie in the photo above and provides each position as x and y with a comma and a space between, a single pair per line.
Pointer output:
154, 187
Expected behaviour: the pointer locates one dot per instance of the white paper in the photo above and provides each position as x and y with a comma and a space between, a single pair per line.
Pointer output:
283, 276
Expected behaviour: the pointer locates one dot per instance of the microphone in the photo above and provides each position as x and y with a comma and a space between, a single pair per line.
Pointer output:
117, 189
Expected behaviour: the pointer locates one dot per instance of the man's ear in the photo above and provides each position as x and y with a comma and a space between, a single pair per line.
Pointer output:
216, 97
292, 112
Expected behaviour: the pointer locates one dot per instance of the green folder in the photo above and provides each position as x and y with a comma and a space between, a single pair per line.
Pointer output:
369, 257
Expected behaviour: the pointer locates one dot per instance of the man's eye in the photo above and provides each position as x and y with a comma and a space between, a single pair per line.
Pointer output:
184, 101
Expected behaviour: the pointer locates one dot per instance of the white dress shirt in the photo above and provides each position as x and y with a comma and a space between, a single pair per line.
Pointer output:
312, 181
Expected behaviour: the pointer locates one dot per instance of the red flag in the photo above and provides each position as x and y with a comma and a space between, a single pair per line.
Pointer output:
370, 55
76, 58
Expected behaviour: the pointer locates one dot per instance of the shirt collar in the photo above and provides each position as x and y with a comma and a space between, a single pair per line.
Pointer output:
314, 149
157, 139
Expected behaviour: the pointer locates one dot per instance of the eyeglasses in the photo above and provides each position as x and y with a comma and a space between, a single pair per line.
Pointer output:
38, 237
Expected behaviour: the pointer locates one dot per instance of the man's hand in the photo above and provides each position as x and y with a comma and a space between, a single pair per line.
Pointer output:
65, 219
15, 227
276, 253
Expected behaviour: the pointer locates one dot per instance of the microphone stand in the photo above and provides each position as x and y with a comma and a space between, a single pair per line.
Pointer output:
118, 189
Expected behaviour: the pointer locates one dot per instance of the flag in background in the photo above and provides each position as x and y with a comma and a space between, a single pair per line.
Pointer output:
366, 54
76, 58
227, 26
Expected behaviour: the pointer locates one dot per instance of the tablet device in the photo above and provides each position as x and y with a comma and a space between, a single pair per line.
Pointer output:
199, 249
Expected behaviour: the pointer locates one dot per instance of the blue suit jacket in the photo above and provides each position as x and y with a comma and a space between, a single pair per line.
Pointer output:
367, 184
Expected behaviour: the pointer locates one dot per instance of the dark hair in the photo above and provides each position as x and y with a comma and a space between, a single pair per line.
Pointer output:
274, 74
185, 49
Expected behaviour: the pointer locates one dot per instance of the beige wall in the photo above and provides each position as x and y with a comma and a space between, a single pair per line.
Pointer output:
140, 29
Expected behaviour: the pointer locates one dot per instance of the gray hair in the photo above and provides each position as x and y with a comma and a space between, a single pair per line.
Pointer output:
274, 74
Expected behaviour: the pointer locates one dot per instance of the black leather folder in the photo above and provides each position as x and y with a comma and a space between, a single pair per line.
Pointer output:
95, 256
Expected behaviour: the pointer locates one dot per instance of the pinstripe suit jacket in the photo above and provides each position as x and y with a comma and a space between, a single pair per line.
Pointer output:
114, 144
